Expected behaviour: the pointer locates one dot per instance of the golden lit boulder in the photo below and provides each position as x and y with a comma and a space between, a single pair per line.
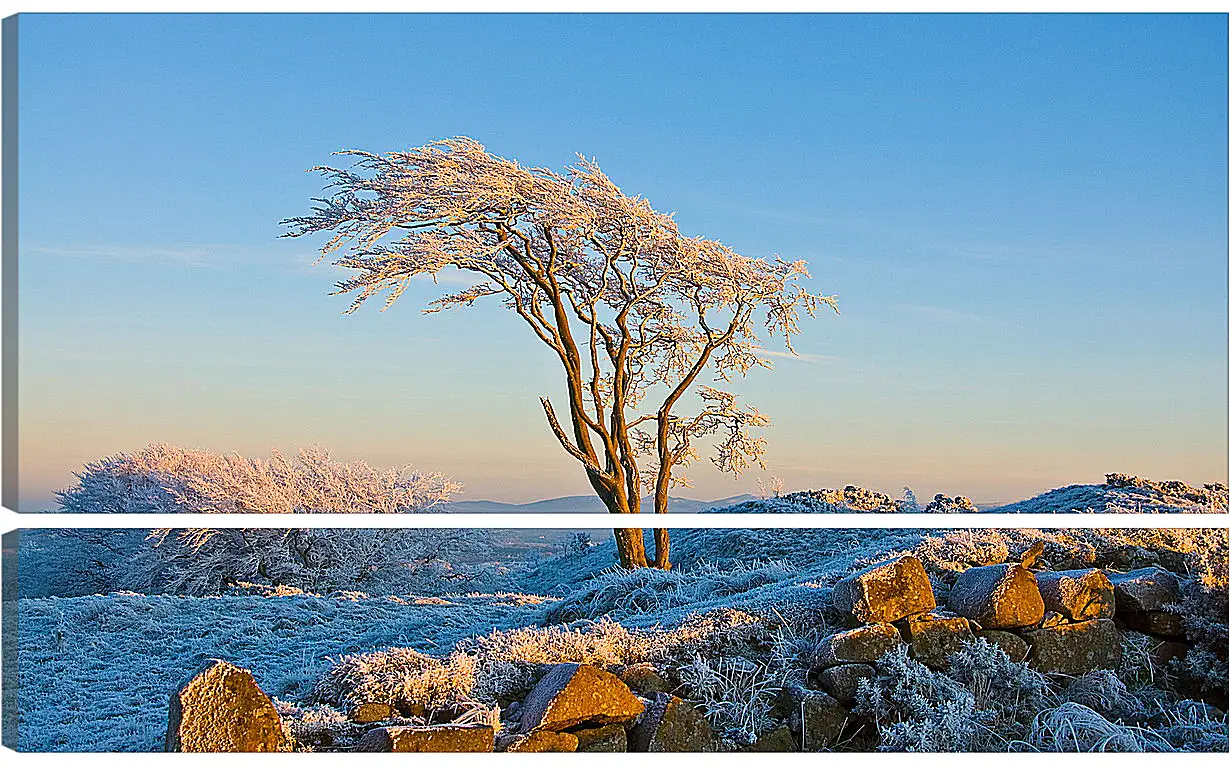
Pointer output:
863, 645
886, 592
429, 738
932, 637
577, 694
542, 741
1077, 595
998, 596
671, 725
1075, 649
222, 709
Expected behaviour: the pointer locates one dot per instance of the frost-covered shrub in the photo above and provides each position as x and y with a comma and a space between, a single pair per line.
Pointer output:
1205, 610
983, 703
919, 710
203, 561
70, 562
398, 676
620, 592
163, 479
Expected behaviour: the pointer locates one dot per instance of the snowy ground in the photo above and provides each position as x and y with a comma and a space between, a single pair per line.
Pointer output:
96, 672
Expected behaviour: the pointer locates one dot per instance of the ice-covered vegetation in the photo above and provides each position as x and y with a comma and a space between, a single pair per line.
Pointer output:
732, 633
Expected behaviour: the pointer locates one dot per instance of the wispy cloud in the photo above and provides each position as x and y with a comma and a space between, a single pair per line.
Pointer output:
804, 357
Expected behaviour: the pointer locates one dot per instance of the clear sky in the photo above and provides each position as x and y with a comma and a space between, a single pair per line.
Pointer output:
1024, 218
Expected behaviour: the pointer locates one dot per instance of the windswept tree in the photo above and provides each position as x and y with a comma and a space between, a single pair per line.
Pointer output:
635, 311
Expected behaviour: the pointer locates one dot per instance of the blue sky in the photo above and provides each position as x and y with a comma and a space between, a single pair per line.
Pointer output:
1024, 218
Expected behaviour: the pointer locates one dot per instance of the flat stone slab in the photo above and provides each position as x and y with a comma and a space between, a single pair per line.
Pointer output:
1077, 595
933, 638
863, 645
998, 596
1075, 649
841, 682
671, 725
608, 738
1145, 589
575, 694
886, 592
222, 709
429, 738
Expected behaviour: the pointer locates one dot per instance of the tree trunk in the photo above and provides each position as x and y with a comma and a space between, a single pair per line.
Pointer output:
631, 547
661, 546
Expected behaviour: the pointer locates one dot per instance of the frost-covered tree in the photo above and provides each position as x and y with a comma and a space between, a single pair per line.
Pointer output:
634, 311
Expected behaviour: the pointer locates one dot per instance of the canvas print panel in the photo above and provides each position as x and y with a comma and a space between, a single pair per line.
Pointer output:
844, 640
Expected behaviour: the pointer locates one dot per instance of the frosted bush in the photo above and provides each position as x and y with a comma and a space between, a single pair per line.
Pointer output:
164, 479
203, 561
398, 676
1205, 611
919, 710
982, 703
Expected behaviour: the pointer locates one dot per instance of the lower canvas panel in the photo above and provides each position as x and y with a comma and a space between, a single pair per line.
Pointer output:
536, 640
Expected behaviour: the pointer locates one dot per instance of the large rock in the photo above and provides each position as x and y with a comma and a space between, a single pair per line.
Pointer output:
1075, 649
1077, 595
1160, 623
429, 738
1146, 589
1008, 642
576, 694
886, 592
608, 738
932, 638
542, 741
864, 645
222, 709
998, 596
818, 720
643, 678
842, 682
671, 725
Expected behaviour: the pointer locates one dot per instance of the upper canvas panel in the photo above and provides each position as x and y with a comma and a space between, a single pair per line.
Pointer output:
1023, 218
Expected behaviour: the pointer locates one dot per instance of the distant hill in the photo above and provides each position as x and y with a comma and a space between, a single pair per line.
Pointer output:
582, 505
